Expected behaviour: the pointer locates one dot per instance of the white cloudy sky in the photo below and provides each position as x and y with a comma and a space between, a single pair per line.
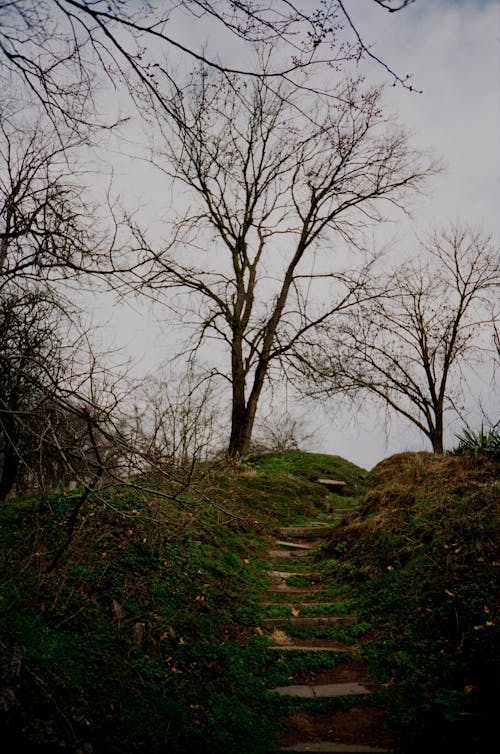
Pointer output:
452, 50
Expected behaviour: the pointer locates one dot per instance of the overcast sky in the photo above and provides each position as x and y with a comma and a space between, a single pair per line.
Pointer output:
452, 51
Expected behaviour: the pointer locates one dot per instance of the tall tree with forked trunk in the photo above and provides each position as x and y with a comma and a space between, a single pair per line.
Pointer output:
276, 189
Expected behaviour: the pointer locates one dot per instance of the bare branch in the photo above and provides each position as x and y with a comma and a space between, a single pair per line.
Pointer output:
273, 189
409, 346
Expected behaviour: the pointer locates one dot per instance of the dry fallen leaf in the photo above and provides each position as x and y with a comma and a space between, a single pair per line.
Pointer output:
295, 612
118, 611
280, 637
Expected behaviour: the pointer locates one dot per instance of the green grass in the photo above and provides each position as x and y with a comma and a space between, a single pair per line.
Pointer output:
310, 466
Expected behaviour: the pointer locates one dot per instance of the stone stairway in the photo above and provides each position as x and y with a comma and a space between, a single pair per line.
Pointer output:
301, 617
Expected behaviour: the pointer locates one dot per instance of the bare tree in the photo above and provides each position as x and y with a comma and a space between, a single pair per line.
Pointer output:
58, 48
49, 232
273, 194
56, 410
175, 420
284, 432
411, 346
25, 337
49, 229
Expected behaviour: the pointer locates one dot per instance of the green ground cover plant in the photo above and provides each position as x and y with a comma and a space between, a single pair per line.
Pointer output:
142, 637
478, 441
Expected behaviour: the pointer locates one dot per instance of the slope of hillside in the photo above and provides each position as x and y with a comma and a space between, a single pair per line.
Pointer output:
148, 635
425, 552
133, 641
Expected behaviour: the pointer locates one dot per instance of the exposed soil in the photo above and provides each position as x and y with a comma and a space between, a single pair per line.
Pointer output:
362, 724
352, 673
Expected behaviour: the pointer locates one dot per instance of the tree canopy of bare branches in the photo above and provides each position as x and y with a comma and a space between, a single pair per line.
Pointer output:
48, 232
273, 194
48, 229
410, 346
175, 421
59, 49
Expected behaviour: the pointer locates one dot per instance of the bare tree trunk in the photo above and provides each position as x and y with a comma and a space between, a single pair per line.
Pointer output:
242, 423
238, 441
436, 433
241, 419
437, 444
241, 434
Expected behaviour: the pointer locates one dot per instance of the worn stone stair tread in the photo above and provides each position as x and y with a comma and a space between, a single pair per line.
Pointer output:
293, 545
323, 604
309, 532
331, 747
284, 590
288, 574
322, 690
302, 648
281, 640
309, 621
280, 554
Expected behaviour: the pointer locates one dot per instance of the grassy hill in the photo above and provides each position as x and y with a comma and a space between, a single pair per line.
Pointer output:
424, 551
141, 636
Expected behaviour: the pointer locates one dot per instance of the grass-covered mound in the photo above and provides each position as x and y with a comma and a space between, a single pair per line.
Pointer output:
425, 552
138, 638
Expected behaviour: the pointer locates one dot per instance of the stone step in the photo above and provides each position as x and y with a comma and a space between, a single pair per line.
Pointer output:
311, 531
317, 531
304, 533
303, 648
284, 575
333, 485
293, 545
331, 747
283, 554
309, 621
281, 640
299, 605
322, 690
283, 590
